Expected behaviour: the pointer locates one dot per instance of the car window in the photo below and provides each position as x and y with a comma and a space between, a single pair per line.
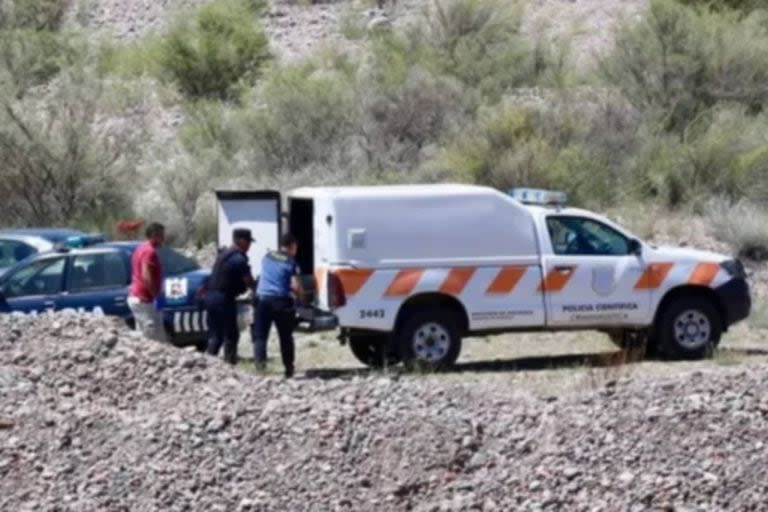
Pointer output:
42, 277
97, 271
13, 251
175, 263
579, 236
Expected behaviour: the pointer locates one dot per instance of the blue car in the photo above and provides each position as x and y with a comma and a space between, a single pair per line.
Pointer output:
96, 278
19, 244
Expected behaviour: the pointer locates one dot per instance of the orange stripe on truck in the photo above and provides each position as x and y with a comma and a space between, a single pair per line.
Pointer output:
457, 280
353, 279
506, 280
556, 279
319, 278
704, 274
653, 276
404, 282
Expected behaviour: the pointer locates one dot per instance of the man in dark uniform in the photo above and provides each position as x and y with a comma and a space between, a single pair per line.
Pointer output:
277, 282
231, 277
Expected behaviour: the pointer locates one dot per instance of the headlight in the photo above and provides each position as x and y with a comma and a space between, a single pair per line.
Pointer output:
734, 268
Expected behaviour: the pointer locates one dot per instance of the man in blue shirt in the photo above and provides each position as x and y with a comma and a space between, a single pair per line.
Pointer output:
278, 283
231, 276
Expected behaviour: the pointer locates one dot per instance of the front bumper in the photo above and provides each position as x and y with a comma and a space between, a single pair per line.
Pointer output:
735, 299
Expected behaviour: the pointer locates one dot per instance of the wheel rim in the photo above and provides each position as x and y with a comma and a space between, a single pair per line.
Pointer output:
692, 329
431, 342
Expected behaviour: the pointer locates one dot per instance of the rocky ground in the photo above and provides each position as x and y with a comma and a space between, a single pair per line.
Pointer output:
95, 418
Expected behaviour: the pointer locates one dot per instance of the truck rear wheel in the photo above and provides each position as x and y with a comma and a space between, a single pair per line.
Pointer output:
690, 328
429, 339
373, 350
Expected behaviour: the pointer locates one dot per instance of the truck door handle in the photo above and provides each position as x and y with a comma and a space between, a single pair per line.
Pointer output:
564, 269
49, 304
120, 300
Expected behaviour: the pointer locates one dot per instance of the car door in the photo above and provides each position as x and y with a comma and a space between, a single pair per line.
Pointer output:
591, 275
97, 281
257, 210
35, 287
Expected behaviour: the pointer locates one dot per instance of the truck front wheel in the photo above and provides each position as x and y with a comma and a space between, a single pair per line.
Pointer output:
429, 339
373, 350
690, 328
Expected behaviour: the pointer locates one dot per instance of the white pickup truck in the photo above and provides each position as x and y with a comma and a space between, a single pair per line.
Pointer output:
407, 271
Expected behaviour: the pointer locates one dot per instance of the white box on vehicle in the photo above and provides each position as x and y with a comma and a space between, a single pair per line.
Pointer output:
391, 243
409, 269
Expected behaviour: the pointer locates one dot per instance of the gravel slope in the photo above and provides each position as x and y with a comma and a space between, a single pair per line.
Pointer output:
96, 418
296, 28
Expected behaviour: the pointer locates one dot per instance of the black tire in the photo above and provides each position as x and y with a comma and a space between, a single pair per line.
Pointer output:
374, 351
689, 328
429, 339
201, 345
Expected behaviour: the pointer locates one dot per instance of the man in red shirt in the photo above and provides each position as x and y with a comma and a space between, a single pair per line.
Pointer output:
146, 283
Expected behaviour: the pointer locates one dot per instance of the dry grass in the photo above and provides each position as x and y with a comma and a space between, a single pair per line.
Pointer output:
543, 364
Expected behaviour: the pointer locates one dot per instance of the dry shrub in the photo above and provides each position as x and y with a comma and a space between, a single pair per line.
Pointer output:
743, 225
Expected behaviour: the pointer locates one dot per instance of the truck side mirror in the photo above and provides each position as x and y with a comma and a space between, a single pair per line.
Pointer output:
635, 247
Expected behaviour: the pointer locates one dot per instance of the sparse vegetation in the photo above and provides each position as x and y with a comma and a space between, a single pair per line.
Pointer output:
60, 165
673, 116
32, 14
744, 225
219, 50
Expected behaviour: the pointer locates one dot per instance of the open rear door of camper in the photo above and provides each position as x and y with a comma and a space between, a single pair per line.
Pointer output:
257, 210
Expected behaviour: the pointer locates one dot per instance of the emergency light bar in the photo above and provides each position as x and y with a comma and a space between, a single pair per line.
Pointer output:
78, 241
538, 196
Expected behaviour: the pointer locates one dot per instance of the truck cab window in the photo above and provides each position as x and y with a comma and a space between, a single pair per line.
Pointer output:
579, 236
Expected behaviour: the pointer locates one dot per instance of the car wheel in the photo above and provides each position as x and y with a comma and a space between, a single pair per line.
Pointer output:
690, 328
201, 345
429, 339
374, 351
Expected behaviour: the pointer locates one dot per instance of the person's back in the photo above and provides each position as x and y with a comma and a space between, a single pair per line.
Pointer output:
227, 275
231, 276
277, 282
277, 270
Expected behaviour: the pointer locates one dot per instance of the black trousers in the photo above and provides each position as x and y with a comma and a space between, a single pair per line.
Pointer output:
222, 327
281, 312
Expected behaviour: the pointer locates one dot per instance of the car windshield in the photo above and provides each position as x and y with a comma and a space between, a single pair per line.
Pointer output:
175, 263
12, 252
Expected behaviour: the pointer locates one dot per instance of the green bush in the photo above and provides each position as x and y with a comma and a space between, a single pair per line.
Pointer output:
512, 146
723, 153
216, 51
60, 166
742, 224
29, 58
32, 14
406, 104
720, 5
302, 114
678, 62
480, 43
